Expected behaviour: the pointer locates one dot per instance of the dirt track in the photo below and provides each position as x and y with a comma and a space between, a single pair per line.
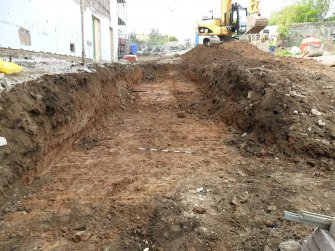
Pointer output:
219, 198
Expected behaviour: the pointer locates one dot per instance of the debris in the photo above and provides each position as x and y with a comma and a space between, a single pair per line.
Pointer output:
294, 50
81, 236
181, 114
250, 93
322, 239
235, 202
271, 223
80, 227
244, 134
3, 81
199, 210
85, 69
3, 141
138, 91
311, 219
332, 229
295, 112
321, 123
165, 150
244, 198
201, 190
316, 112
131, 58
146, 249
148, 76
290, 245
272, 208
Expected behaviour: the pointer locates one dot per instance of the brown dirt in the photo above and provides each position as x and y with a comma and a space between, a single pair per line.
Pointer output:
268, 98
39, 116
96, 190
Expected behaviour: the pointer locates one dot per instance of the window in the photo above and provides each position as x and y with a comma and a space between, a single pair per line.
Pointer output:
72, 47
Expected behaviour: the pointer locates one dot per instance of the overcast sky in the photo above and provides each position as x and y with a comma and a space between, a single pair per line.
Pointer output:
179, 17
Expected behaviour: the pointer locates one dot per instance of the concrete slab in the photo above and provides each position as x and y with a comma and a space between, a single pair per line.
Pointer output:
332, 229
324, 240
309, 244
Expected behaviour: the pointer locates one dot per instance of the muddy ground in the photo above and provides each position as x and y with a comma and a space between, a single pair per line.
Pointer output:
86, 185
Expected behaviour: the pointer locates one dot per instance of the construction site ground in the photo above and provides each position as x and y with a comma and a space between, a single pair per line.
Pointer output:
248, 136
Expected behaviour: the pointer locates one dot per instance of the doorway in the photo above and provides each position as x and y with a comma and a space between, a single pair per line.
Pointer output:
112, 43
96, 39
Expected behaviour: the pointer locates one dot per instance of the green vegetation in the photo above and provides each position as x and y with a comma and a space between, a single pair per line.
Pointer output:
156, 38
331, 18
298, 12
283, 53
153, 38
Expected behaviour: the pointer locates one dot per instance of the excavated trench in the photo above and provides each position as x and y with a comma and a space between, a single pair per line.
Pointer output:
42, 117
74, 174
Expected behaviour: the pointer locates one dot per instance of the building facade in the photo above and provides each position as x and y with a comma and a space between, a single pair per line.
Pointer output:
55, 26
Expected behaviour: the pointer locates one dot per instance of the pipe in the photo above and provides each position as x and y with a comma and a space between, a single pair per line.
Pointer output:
82, 8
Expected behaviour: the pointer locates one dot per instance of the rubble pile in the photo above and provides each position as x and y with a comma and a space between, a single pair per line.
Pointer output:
278, 104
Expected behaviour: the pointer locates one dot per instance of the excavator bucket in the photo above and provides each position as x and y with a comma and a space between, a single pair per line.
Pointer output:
255, 24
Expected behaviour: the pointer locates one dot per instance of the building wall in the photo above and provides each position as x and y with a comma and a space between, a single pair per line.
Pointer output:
114, 26
51, 26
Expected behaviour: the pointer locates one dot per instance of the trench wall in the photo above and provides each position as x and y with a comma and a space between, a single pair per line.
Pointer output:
42, 115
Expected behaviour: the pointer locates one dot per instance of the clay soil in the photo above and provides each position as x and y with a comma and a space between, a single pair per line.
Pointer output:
233, 106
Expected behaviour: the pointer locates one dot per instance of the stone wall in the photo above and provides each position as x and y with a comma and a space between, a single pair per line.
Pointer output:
322, 30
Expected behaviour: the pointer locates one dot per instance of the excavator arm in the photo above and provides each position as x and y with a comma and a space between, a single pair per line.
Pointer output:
225, 11
255, 22
234, 21
254, 7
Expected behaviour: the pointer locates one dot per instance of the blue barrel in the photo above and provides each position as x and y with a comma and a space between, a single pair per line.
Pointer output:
196, 38
133, 49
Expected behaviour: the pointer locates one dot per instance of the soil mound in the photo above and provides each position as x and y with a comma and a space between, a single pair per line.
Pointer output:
282, 103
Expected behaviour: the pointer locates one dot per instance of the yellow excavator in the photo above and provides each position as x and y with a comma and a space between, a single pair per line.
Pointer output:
235, 21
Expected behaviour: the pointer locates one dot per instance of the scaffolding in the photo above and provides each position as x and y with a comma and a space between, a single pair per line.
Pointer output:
123, 42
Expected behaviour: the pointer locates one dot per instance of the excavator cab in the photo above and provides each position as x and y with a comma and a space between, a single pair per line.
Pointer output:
238, 20
235, 22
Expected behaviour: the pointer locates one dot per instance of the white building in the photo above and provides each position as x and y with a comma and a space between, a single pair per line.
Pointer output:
55, 26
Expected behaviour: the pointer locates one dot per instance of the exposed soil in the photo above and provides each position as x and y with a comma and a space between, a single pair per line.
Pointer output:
270, 99
38, 117
93, 188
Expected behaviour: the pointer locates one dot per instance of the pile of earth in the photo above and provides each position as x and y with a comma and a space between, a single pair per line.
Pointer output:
278, 104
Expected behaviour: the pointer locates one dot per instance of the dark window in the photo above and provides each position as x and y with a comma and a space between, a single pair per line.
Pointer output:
72, 47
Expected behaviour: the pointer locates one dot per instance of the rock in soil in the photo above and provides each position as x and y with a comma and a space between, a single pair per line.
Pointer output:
199, 210
181, 114
290, 245
81, 236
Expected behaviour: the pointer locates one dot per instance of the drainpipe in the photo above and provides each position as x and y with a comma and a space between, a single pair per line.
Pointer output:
82, 8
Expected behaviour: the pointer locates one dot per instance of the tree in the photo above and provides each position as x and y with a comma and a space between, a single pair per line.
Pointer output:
299, 12
156, 38
331, 18
323, 7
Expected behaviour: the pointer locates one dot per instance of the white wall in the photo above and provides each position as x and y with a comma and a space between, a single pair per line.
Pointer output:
114, 26
53, 25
